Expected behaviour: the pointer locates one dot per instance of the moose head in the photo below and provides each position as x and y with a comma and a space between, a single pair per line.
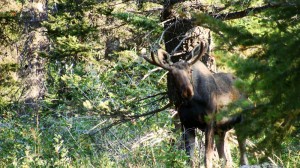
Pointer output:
181, 71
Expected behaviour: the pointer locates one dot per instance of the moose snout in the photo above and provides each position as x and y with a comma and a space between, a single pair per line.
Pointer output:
187, 93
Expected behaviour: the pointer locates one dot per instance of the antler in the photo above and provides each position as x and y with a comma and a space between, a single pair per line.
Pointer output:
159, 61
199, 51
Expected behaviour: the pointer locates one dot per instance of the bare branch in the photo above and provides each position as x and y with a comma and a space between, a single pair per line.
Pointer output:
246, 12
180, 44
151, 112
124, 119
153, 10
163, 34
162, 77
147, 97
157, 100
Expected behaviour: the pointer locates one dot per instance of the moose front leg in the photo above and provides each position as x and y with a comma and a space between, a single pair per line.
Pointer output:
189, 139
224, 149
242, 148
209, 145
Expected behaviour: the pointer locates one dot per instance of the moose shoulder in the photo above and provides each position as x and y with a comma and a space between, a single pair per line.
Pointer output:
198, 95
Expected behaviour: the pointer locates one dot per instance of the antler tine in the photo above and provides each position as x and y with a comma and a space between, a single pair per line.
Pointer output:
199, 50
169, 61
149, 60
152, 60
160, 56
161, 53
158, 62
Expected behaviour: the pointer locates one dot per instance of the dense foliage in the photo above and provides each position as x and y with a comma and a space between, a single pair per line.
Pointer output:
75, 92
269, 72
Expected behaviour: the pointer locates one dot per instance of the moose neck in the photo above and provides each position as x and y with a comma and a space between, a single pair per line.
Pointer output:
203, 82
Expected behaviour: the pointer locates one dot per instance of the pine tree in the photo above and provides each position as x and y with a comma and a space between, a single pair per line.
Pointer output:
270, 71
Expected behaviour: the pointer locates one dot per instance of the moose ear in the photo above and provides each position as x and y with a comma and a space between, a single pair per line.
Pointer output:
197, 53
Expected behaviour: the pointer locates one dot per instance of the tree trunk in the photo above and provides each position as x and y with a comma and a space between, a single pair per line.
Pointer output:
32, 65
180, 37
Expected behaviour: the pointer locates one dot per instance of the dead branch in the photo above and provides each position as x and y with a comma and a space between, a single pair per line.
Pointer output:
124, 119
180, 44
150, 11
246, 12
157, 100
149, 113
151, 71
147, 97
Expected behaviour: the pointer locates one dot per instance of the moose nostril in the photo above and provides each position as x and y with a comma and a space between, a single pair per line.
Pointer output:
187, 94
184, 95
190, 93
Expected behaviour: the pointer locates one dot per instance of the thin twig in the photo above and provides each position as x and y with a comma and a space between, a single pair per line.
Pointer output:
180, 44
119, 141
162, 76
147, 97
157, 100
151, 112
240, 14
125, 119
166, 29
102, 122
151, 71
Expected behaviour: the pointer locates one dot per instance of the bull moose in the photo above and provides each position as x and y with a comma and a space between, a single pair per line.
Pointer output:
198, 95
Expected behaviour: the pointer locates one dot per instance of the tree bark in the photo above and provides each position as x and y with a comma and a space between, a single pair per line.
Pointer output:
181, 36
32, 66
